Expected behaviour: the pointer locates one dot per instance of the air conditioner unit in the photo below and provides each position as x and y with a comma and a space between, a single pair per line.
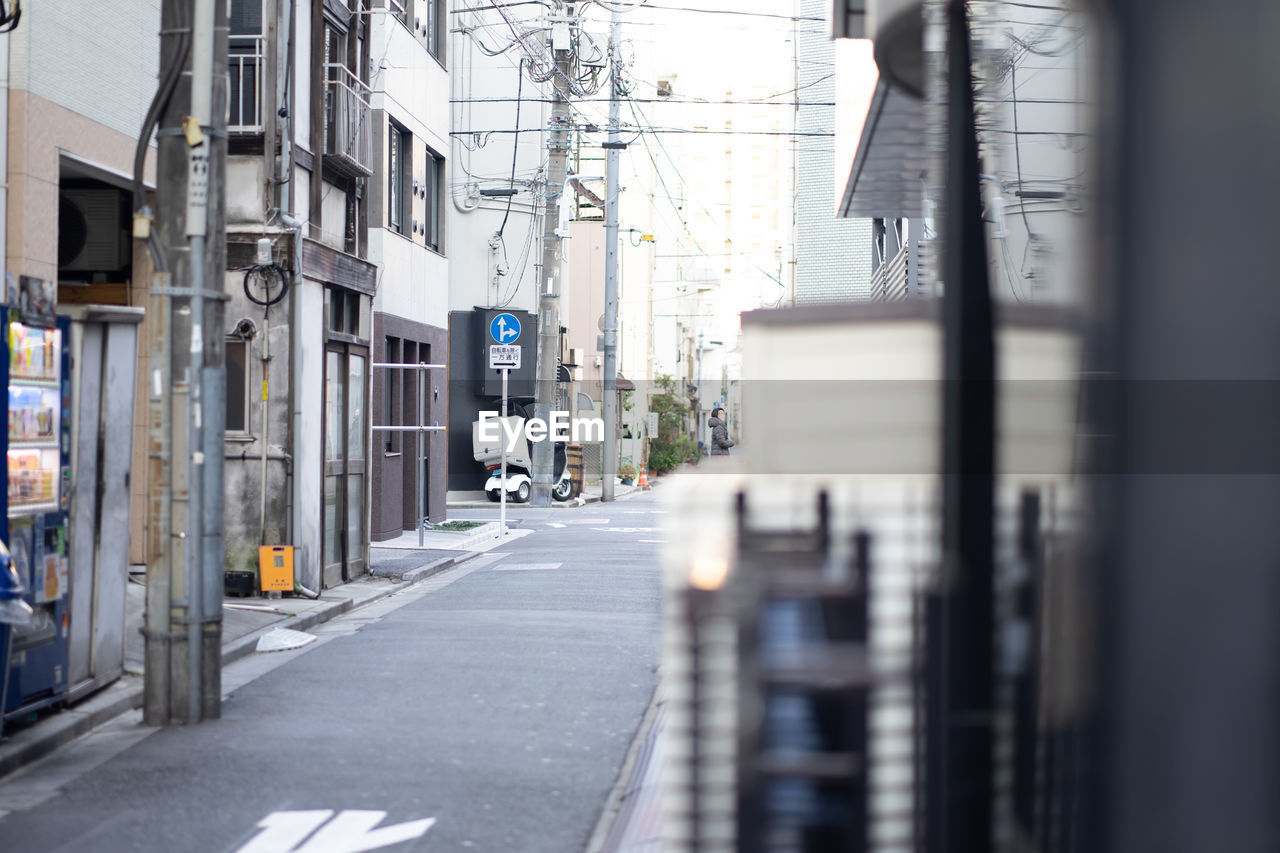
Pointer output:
90, 231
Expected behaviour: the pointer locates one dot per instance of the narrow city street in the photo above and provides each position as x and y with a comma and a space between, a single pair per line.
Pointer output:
487, 708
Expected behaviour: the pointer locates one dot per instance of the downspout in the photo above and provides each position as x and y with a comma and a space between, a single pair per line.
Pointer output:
4, 152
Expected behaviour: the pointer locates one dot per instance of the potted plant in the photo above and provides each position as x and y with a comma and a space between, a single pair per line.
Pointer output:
627, 472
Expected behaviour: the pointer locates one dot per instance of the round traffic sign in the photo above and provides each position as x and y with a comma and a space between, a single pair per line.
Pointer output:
504, 328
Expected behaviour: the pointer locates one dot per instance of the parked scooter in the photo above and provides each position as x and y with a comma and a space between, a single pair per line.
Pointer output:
519, 462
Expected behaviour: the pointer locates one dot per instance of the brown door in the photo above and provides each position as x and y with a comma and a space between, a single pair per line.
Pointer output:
346, 430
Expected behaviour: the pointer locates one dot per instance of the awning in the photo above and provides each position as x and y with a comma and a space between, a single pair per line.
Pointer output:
625, 384
563, 374
885, 181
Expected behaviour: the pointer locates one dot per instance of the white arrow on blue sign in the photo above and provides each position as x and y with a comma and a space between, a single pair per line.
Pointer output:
504, 328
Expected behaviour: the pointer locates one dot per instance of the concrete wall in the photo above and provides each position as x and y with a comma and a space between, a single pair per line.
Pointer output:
308, 429
96, 59
243, 451
486, 163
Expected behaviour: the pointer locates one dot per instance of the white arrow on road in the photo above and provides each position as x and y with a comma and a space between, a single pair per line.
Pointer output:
352, 831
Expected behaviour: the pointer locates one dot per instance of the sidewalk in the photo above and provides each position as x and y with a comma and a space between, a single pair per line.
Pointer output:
244, 621
590, 495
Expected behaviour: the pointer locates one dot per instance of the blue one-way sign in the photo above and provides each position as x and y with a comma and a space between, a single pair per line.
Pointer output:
504, 328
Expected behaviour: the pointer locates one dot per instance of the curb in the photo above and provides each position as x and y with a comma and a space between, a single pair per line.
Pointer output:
125, 695
612, 810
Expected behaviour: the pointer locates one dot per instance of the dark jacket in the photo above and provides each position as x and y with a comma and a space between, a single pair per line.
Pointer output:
720, 441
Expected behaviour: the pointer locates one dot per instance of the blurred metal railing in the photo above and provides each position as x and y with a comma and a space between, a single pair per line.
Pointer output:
244, 84
348, 130
890, 280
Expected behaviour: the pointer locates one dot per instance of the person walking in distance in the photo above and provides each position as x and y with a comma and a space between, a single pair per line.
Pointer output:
720, 441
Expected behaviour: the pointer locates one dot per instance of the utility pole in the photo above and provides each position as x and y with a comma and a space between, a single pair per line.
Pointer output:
187, 388
558, 140
613, 146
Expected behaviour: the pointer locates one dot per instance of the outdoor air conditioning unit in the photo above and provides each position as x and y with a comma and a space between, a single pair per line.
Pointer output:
90, 231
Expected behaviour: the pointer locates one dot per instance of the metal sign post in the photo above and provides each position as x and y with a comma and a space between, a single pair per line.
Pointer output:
504, 357
502, 506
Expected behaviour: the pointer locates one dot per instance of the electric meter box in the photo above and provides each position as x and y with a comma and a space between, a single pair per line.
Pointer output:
275, 568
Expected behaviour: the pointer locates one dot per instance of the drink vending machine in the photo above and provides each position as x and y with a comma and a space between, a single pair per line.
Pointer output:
35, 371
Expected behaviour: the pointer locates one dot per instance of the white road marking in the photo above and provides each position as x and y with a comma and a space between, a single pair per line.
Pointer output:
527, 567
352, 831
282, 831
626, 529
554, 524
653, 541
586, 521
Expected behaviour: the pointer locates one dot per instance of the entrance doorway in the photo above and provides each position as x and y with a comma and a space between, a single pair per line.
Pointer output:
345, 433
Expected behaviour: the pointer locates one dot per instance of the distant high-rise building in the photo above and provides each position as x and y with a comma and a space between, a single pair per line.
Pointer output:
833, 255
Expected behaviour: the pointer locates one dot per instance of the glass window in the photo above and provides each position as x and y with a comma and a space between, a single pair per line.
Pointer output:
391, 395
237, 385
337, 305
433, 13
353, 313
435, 179
400, 8
399, 197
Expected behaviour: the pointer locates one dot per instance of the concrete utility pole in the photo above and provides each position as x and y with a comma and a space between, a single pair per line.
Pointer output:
188, 383
613, 146
559, 137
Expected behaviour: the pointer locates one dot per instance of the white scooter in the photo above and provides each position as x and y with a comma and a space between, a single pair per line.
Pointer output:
519, 464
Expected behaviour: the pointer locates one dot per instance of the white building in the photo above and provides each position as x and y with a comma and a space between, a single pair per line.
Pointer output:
496, 190
409, 243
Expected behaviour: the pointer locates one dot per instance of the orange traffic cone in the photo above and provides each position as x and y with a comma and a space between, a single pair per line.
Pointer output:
643, 482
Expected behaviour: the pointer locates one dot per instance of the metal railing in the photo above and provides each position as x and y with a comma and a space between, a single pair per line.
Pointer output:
244, 84
348, 130
891, 281
418, 429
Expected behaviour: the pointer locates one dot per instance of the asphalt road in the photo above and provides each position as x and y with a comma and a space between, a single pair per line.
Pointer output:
488, 708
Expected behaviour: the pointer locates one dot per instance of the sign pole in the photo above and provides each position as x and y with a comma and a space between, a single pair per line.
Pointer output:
505, 356
502, 511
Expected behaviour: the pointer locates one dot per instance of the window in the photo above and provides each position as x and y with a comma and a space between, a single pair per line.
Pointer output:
335, 53
244, 66
342, 308
392, 380
434, 181
399, 8
433, 19
399, 196
237, 385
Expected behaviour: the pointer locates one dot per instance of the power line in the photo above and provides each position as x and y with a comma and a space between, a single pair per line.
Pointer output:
695, 132
640, 117
746, 103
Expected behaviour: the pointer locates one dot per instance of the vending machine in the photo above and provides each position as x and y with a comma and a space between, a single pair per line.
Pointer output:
34, 369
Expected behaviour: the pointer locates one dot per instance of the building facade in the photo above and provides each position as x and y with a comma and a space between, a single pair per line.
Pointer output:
409, 243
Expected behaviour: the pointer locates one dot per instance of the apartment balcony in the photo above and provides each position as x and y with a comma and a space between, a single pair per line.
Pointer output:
244, 84
348, 130
892, 280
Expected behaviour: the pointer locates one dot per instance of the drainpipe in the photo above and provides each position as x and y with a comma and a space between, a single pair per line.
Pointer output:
4, 152
266, 364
